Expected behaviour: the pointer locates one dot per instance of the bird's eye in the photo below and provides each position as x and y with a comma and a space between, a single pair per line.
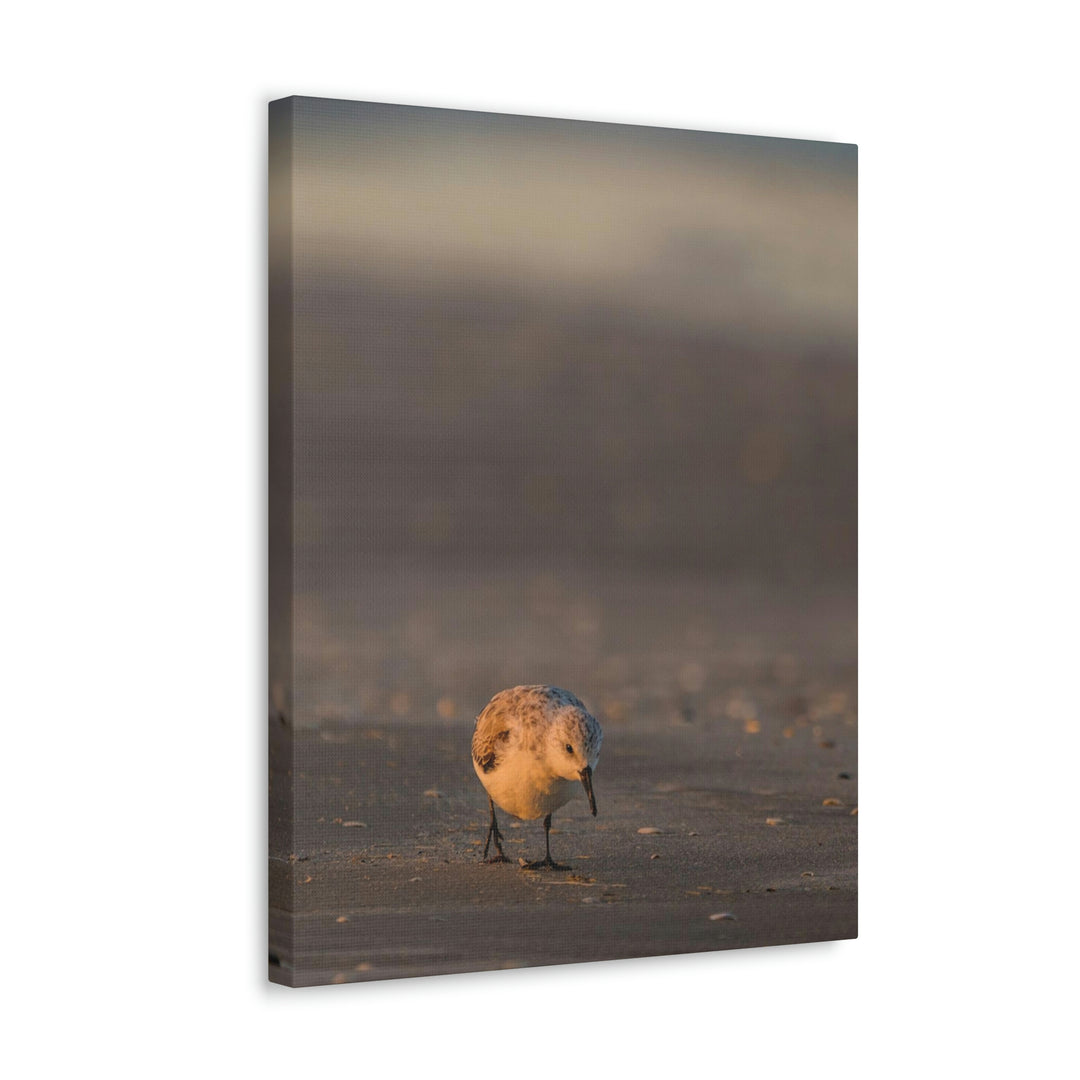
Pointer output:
569, 748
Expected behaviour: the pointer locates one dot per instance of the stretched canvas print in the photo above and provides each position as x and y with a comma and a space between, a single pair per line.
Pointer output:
563, 439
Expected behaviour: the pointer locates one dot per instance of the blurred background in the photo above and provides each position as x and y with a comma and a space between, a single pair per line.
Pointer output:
572, 403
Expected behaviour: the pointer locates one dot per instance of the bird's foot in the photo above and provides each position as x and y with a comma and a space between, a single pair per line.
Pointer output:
545, 864
497, 858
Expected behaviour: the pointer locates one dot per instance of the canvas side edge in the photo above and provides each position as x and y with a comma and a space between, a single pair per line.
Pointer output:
280, 338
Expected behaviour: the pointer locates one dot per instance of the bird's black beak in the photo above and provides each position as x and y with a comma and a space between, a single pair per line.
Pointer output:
586, 781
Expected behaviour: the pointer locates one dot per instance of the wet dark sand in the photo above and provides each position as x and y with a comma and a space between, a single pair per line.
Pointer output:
756, 821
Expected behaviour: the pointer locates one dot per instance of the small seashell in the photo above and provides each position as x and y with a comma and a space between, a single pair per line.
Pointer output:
831, 802
807, 873
854, 812
352, 824
431, 793
774, 821
654, 856
362, 966
648, 830
722, 916
342, 918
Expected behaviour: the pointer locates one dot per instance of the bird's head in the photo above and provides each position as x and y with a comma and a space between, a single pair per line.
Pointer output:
573, 749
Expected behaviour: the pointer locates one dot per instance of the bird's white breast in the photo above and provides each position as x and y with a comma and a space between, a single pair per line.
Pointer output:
522, 785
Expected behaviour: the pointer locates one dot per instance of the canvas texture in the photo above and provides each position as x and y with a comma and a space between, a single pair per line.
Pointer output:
562, 516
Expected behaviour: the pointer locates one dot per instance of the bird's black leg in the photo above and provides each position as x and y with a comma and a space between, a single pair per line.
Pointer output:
547, 863
494, 834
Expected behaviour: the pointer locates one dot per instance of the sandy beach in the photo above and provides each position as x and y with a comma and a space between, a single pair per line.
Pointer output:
714, 832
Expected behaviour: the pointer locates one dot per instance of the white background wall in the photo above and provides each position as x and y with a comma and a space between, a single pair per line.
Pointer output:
133, 439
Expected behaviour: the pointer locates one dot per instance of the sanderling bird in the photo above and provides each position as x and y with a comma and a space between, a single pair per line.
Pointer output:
531, 747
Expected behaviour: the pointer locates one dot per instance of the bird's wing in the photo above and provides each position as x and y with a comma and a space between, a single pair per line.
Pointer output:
491, 735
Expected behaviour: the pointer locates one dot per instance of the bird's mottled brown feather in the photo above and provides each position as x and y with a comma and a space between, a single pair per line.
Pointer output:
527, 705
485, 746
